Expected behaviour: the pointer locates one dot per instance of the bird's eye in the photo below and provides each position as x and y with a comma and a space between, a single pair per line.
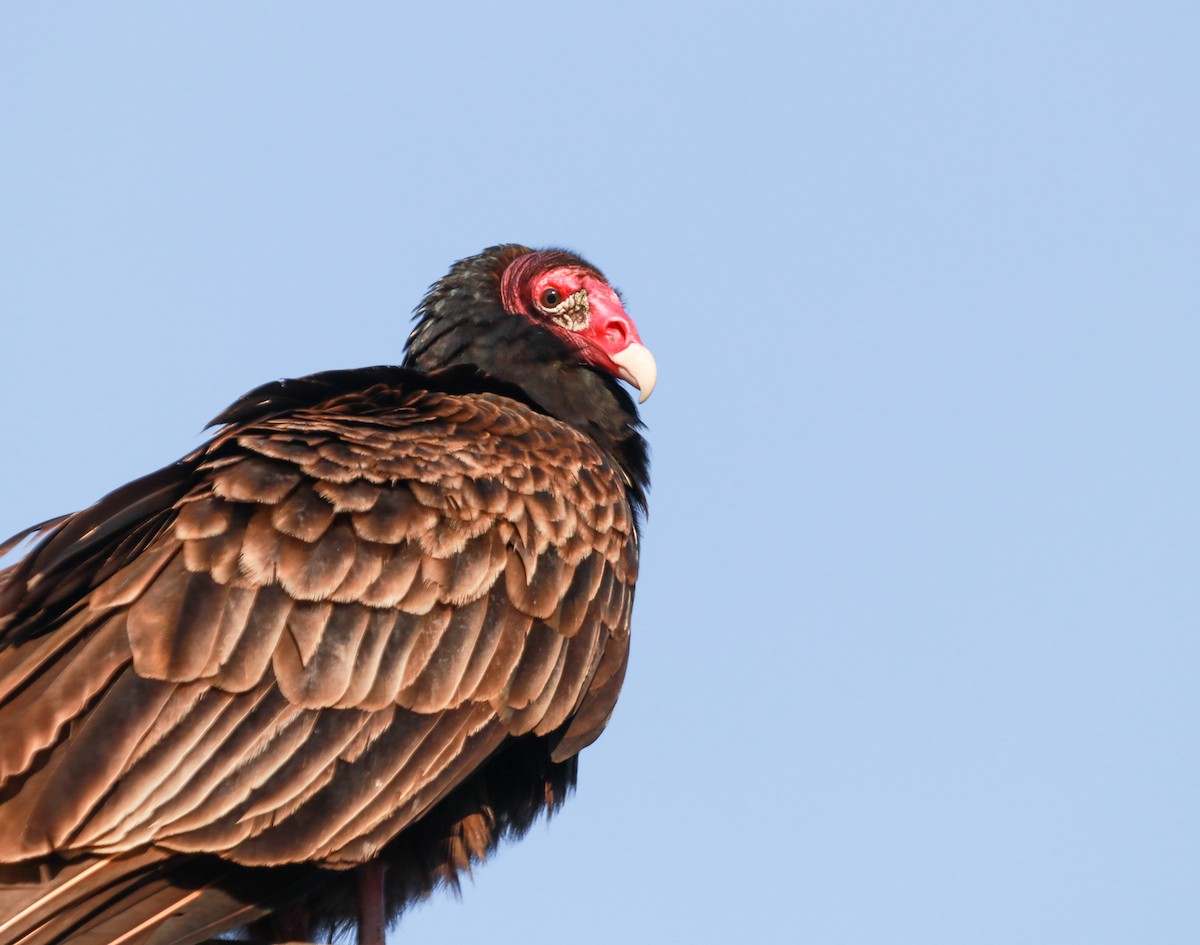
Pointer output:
551, 298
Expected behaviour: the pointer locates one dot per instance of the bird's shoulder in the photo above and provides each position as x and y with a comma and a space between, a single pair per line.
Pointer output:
387, 452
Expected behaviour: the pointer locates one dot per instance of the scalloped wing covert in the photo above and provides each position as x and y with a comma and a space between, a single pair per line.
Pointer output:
292, 644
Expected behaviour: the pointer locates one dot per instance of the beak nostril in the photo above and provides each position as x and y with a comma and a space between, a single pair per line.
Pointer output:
616, 332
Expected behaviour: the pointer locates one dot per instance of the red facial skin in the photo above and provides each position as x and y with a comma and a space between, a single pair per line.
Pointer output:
609, 329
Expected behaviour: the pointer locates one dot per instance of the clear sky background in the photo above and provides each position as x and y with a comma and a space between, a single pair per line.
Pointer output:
917, 639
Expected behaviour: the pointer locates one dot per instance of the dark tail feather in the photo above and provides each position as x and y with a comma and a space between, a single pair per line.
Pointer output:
42, 910
139, 899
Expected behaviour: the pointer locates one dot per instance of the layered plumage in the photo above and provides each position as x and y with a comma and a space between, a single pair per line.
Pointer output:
372, 621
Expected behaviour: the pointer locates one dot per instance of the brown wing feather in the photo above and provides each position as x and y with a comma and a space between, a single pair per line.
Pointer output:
296, 642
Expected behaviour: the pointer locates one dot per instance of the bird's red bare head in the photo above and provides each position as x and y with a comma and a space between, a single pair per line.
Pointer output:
572, 299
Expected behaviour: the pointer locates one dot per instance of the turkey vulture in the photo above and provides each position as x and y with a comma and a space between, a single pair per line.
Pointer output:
329, 659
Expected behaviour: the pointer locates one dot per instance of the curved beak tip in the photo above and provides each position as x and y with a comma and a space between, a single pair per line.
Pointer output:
637, 367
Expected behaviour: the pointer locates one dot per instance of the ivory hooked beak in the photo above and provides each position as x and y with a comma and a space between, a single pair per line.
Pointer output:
637, 367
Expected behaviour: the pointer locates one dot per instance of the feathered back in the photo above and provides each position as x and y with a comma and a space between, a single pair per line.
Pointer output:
374, 618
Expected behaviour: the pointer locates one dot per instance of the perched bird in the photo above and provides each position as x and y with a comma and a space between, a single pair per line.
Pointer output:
328, 660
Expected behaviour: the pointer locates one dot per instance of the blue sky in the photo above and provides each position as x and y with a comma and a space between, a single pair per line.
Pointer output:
916, 636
